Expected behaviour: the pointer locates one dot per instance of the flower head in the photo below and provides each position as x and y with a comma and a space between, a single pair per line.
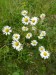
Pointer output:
41, 49
25, 20
16, 37
6, 30
24, 28
40, 37
17, 45
42, 16
34, 42
42, 33
34, 21
29, 35
24, 12
45, 54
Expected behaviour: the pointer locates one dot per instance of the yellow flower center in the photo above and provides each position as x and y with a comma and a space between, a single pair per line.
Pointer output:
16, 36
25, 28
45, 54
33, 21
24, 12
29, 35
26, 19
43, 33
7, 30
16, 43
34, 42
41, 49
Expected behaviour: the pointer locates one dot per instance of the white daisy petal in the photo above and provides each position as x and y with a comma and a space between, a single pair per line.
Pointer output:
34, 42
24, 12
20, 48
6, 30
42, 16
29, 35
34, 21
40, 37
17, 45
24, 28
25, 20
43, 33
41, 48
45, 54
16, 37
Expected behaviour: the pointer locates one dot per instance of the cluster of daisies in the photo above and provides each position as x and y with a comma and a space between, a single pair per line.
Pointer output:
15, 43
26, 20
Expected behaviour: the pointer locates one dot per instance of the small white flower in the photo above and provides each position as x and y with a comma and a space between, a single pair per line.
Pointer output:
34, 42
29, 35
41, 49
33, 28
42, 16
24, 28
16, 37
45, 54
43, 33
24, 12
17, 45
34, 21
25, 20
6, 30
40, 37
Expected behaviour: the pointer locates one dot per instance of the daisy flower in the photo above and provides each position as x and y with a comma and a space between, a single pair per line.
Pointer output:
16, 37
45, 54
43, 33
25, 20
17, 45
24, 12
33, 28
40, 37
29, 35
34, 21
24, 28
6, 30
41, 48
42, 16
34, 42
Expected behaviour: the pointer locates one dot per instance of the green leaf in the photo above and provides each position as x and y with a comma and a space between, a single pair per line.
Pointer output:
16, 73
4, 50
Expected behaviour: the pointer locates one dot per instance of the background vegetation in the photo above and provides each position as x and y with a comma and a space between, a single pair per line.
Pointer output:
27, 62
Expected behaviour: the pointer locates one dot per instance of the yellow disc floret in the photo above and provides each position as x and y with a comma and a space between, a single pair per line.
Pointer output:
26, 19
45, 54
33, 21
7, 30
16, 43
